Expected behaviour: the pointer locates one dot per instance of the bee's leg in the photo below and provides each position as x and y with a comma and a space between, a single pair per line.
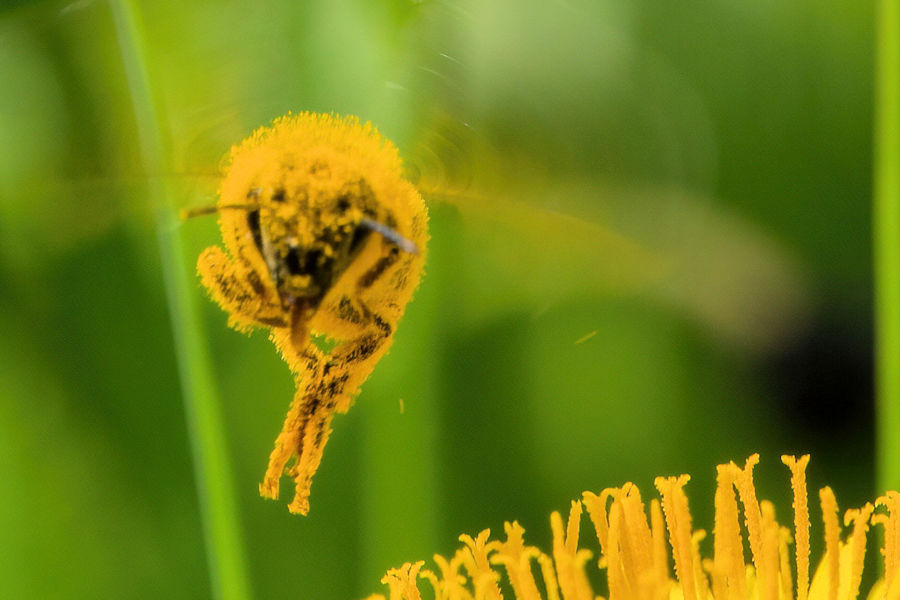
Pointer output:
355, 359
238, 290
308, 365
325, 386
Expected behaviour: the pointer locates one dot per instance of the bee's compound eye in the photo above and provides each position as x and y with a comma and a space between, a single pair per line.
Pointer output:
360, 234
278, 195
253, 224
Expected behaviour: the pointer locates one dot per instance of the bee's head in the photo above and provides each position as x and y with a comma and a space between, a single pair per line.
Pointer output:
304, 210
307, 235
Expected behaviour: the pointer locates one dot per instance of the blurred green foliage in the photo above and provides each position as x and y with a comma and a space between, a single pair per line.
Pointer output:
716, 157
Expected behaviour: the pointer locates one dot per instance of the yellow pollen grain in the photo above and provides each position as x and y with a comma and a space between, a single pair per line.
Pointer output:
516, 558
801, 520
832, 540
658, 531
891, 523
585, 337
678, 522
767, 569
451, 580
729, 550
641, 540
596, 506
893, 591
629, 546
475, 560
433, 581
860, 520
549, 575
719, 589
619, 586
697, 562
402, 581
752, 515
784, 554
568, 559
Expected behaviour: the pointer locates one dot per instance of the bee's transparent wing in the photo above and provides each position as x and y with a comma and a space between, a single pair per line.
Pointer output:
529, 242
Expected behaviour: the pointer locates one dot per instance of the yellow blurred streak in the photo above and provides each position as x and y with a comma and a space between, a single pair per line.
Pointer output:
685, 251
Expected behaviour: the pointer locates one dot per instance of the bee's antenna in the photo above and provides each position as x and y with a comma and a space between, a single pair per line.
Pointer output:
190, 213
390, 234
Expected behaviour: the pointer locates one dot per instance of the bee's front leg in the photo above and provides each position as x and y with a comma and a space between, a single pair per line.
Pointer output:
238, 289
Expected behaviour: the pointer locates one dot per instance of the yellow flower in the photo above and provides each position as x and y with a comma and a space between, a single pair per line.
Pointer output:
634, 553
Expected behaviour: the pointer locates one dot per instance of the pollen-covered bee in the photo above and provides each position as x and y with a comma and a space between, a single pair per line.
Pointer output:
323, 237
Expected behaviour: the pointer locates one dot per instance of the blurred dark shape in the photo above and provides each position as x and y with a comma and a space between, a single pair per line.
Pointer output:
824, 384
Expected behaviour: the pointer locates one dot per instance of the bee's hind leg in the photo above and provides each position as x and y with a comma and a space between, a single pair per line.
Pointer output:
309, 366
326, 385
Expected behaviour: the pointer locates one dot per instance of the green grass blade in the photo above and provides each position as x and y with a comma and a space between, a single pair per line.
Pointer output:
225, 550
887, 241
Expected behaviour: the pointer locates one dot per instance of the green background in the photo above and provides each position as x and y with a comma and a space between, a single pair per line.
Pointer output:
686, 185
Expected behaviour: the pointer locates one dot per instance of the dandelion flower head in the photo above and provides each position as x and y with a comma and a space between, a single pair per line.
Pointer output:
638, 543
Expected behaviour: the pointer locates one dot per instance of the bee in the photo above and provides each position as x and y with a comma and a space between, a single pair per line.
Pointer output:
323, 238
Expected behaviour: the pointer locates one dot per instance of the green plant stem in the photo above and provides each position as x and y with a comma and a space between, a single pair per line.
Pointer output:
222, 532
887, 241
